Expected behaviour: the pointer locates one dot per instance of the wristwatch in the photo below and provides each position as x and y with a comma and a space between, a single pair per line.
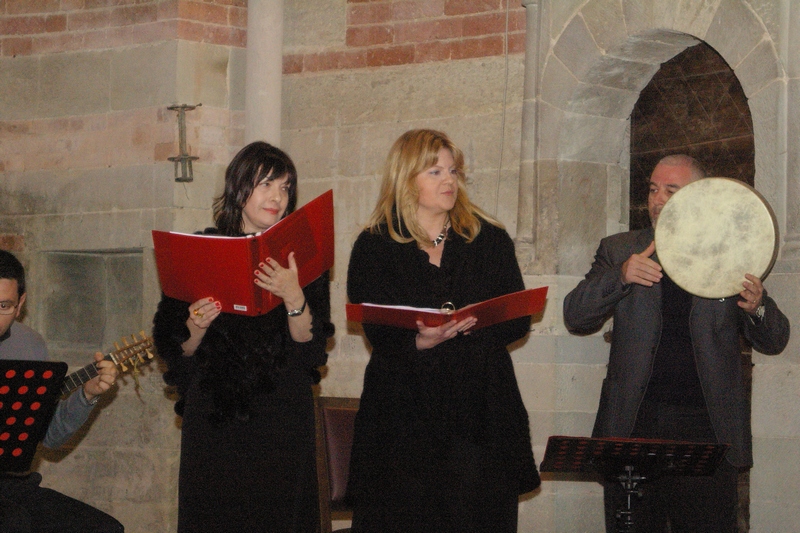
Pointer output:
297, 312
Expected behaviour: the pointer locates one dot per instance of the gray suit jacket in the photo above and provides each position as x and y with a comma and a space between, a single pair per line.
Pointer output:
715, 328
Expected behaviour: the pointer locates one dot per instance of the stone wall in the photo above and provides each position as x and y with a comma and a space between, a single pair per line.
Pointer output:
593, 61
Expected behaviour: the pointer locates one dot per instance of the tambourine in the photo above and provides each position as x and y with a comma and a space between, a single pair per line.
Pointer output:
712, 232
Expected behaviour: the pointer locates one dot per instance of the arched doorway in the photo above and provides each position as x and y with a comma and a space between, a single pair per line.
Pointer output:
693, 105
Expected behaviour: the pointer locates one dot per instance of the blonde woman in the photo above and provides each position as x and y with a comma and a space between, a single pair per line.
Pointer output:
442, 440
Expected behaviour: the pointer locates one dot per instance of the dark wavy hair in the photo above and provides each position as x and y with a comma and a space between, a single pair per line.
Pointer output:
253, 163
11, 268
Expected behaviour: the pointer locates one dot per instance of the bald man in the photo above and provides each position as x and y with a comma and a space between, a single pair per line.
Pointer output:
674, 369
25, 506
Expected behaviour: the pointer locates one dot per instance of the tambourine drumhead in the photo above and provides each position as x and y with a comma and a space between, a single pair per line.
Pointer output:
712, 232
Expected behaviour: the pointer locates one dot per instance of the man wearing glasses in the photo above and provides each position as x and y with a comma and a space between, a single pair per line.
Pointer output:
25, 506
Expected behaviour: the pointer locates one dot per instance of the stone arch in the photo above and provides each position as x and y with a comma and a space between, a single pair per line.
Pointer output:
592, 77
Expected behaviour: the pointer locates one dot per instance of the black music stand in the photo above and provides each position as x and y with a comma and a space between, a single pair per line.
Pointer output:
631, 462
29, 393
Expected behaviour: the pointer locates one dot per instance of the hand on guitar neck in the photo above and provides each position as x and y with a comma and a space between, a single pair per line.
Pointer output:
101, 375
106, 377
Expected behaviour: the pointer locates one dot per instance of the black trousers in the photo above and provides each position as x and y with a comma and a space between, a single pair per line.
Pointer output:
678, 504
26, 507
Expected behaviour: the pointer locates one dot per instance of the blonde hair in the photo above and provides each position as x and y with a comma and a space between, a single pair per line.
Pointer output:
414, 152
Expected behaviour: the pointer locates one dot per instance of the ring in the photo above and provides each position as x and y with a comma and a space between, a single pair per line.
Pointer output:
196, 312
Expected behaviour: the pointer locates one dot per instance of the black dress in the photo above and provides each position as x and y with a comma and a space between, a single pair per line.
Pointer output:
247, 444
442, 440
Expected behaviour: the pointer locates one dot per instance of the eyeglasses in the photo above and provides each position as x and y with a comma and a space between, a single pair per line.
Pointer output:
7, 309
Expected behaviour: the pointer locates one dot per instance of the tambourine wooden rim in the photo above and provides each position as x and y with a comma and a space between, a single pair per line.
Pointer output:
712, 232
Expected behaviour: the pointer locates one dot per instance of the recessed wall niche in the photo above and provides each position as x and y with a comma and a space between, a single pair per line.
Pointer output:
693, 105
92, 300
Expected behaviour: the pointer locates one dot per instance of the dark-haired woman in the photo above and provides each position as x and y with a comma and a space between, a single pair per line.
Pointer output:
247, 444
441, 438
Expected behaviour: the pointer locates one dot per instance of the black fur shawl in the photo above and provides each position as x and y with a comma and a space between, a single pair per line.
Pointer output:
240, 356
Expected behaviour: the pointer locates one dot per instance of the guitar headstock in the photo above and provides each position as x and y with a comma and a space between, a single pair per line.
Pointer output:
134, 352
138, 350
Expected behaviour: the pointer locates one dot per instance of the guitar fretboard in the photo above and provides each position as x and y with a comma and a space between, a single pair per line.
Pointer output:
78, 378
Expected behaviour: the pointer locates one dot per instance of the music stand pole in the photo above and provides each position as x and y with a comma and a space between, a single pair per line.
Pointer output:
630, 482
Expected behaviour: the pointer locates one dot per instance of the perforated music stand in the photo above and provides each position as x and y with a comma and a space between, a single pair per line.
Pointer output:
631, 462
29, 392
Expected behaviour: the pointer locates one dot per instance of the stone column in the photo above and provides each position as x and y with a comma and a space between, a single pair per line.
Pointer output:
790, 253
264, 71
528, 200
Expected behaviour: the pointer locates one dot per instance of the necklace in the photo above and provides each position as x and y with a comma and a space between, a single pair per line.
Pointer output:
438, 240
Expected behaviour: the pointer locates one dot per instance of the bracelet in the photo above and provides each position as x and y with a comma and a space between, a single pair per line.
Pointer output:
297, 312
94, 399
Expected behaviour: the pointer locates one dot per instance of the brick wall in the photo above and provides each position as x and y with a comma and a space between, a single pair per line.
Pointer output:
98, 131
33, 27
392, 32
124, 138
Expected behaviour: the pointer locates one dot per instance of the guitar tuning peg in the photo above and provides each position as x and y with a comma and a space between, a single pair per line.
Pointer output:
149, 354
123, 367
125, 341
116, 346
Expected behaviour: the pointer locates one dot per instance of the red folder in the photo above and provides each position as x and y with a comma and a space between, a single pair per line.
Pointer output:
489, 312
191, 267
